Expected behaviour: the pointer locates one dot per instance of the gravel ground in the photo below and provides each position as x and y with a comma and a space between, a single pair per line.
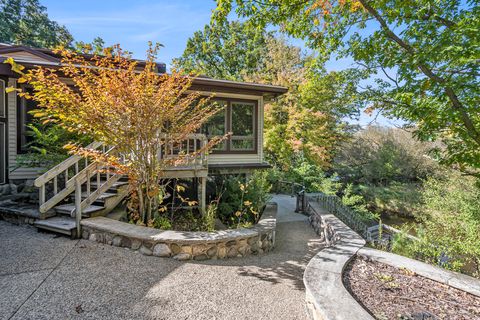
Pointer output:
392, 293
47, 277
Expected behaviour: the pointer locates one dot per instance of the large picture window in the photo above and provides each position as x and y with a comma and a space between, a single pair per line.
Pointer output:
217, 125
238, 117
243, 126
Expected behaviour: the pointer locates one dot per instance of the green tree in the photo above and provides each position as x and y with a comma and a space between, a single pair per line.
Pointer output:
26, 22
230, 51
424, 56
303, 125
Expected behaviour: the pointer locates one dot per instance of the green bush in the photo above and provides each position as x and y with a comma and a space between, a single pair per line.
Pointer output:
357, 203
241, 200
46, 147
449, 232
396, 198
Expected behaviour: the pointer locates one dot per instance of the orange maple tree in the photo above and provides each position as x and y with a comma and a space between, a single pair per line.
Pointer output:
126, 104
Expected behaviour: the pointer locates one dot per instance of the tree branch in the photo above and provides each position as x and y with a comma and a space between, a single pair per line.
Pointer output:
456, 104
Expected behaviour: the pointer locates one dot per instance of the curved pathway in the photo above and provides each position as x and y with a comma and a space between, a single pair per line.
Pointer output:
48, 277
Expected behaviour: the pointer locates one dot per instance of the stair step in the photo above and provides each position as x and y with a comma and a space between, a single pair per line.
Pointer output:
114, 186
64, 225
102, 197
69, 207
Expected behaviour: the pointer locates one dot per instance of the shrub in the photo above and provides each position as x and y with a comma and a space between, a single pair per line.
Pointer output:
242, 200
449, 233
357, 203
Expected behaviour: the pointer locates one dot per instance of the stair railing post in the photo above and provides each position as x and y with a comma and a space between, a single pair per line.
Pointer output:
78, 206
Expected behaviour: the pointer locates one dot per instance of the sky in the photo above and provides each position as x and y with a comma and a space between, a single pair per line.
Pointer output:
133, 23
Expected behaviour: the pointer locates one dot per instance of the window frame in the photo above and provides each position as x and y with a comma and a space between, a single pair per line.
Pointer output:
229, 122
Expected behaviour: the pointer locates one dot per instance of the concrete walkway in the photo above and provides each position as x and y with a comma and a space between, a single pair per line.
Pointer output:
47, 277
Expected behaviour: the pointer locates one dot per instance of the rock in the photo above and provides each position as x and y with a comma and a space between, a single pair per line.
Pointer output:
201, 257
187, 249
222, 252
161, 250
244, 250
175, 248
232, 252
242, 242
136, 244
117, 241
252, 240
144, 250
182, 257
198, 250
212, 251
93, 237
231, 243
85, 234
108, 238
4, 190
148, 244
29, 183
13, 188
265, 244
126, 242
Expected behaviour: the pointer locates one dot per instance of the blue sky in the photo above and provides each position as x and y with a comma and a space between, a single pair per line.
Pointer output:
133, 23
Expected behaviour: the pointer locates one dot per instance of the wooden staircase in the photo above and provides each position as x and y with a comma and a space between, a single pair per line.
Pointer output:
64, 219
79, 185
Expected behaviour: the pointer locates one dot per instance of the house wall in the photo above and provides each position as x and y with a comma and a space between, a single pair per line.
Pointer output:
22, 173
14, 172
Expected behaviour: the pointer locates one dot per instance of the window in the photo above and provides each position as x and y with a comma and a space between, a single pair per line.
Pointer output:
217, 125
238, 117
243, 126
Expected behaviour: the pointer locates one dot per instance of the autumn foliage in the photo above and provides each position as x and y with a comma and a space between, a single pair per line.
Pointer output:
126, 104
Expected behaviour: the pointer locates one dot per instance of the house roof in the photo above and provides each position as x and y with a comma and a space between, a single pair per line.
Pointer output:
32, 57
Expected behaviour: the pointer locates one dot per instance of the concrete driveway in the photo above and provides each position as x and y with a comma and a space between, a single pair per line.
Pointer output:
43, 276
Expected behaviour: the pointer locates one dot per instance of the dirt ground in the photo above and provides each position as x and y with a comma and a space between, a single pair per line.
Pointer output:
391, 293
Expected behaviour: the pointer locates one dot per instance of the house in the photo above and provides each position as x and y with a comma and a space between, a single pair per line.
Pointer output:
241, 153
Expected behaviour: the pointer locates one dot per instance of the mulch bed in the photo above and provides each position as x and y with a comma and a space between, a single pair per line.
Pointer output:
391, 293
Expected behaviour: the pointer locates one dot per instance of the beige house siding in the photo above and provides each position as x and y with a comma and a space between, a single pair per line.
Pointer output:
15, 173
12, 125
24, 56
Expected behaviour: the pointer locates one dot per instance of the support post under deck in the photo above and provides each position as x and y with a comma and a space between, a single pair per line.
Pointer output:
202, 194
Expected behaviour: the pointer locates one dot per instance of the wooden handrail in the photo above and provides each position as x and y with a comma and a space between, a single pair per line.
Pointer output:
61, 167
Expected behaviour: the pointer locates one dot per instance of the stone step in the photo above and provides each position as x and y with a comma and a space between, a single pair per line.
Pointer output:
63, 225
70, 207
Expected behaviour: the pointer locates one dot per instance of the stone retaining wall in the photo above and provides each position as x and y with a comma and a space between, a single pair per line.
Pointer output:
186, 245
326, 296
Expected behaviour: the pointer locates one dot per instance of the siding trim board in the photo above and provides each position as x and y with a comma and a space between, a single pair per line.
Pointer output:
3, 131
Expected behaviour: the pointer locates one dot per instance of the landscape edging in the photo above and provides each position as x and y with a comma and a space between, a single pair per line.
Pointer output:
183, 245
